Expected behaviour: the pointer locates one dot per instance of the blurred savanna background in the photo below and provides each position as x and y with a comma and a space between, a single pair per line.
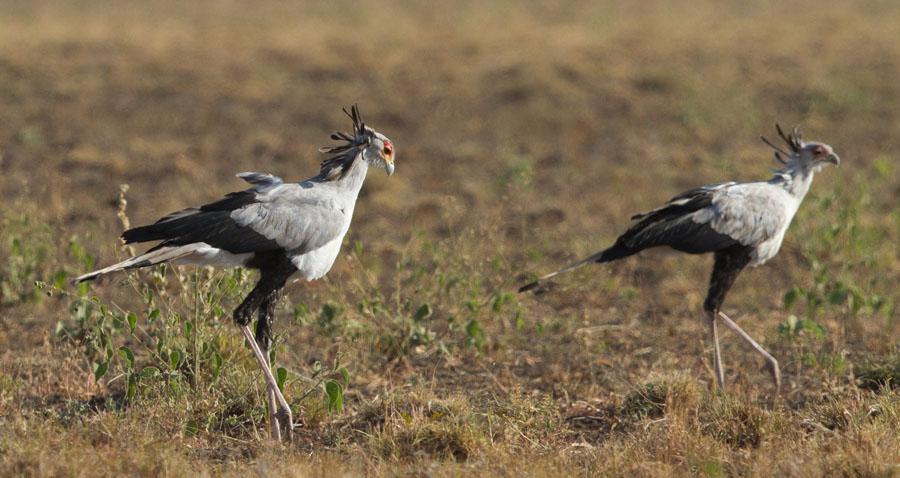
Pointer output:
527, 134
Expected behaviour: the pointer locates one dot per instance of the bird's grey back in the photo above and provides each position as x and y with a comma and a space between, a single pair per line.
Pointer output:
300, 217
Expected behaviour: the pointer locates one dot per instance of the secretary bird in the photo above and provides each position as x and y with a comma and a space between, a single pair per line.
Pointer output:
276, 227
740, 223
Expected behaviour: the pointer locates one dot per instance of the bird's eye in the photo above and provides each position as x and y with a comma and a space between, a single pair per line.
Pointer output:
818, 151
388, 149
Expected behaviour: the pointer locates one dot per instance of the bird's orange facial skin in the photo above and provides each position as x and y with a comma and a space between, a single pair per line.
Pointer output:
388, 148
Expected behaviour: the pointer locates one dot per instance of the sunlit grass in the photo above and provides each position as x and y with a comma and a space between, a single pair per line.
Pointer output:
526, 136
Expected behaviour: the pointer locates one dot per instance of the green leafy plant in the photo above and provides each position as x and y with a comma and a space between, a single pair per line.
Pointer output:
25, 248
793, 327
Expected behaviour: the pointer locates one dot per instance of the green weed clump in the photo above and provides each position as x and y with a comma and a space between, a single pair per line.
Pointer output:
734, 422
878, 373
176, 345
404, 427
26, 248
667, 394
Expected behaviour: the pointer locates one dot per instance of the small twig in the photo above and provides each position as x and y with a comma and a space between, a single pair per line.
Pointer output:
494, 378
123, 215
652, 422
245, 442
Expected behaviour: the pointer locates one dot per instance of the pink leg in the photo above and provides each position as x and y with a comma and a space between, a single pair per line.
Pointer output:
285, 413
271, 403
717, 353
770, 360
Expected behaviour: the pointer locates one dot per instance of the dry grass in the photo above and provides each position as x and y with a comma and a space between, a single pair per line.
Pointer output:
526, 136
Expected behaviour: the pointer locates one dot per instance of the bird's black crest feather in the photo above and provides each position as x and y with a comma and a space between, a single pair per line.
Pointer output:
794, 141
342, 155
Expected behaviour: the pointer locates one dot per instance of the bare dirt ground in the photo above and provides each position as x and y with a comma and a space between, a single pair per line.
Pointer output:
526, 137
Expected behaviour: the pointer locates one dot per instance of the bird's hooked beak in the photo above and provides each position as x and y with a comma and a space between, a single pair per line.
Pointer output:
834, 159
389, 165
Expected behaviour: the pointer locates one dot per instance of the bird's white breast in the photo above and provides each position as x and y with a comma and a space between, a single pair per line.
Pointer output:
317, 262
767, 249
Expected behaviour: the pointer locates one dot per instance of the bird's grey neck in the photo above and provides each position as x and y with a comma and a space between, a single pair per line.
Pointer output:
795, 181
353, 179
349, 179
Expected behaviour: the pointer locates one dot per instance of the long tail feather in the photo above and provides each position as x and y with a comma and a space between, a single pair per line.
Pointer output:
157, 256
570, 267
617, 251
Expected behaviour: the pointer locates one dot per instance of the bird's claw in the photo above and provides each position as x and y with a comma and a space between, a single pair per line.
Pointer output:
776, 375
285, 421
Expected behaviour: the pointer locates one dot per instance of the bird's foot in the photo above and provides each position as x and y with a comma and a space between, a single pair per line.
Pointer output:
285, 422
772, 366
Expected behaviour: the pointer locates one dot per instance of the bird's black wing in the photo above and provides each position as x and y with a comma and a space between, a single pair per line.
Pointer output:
676, 225
296, 218
212, 223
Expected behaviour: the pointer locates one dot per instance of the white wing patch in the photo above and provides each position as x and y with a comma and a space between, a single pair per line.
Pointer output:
748, 213
295, 225
298, 218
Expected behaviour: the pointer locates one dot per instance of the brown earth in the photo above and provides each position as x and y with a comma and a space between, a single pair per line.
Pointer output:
526, 137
